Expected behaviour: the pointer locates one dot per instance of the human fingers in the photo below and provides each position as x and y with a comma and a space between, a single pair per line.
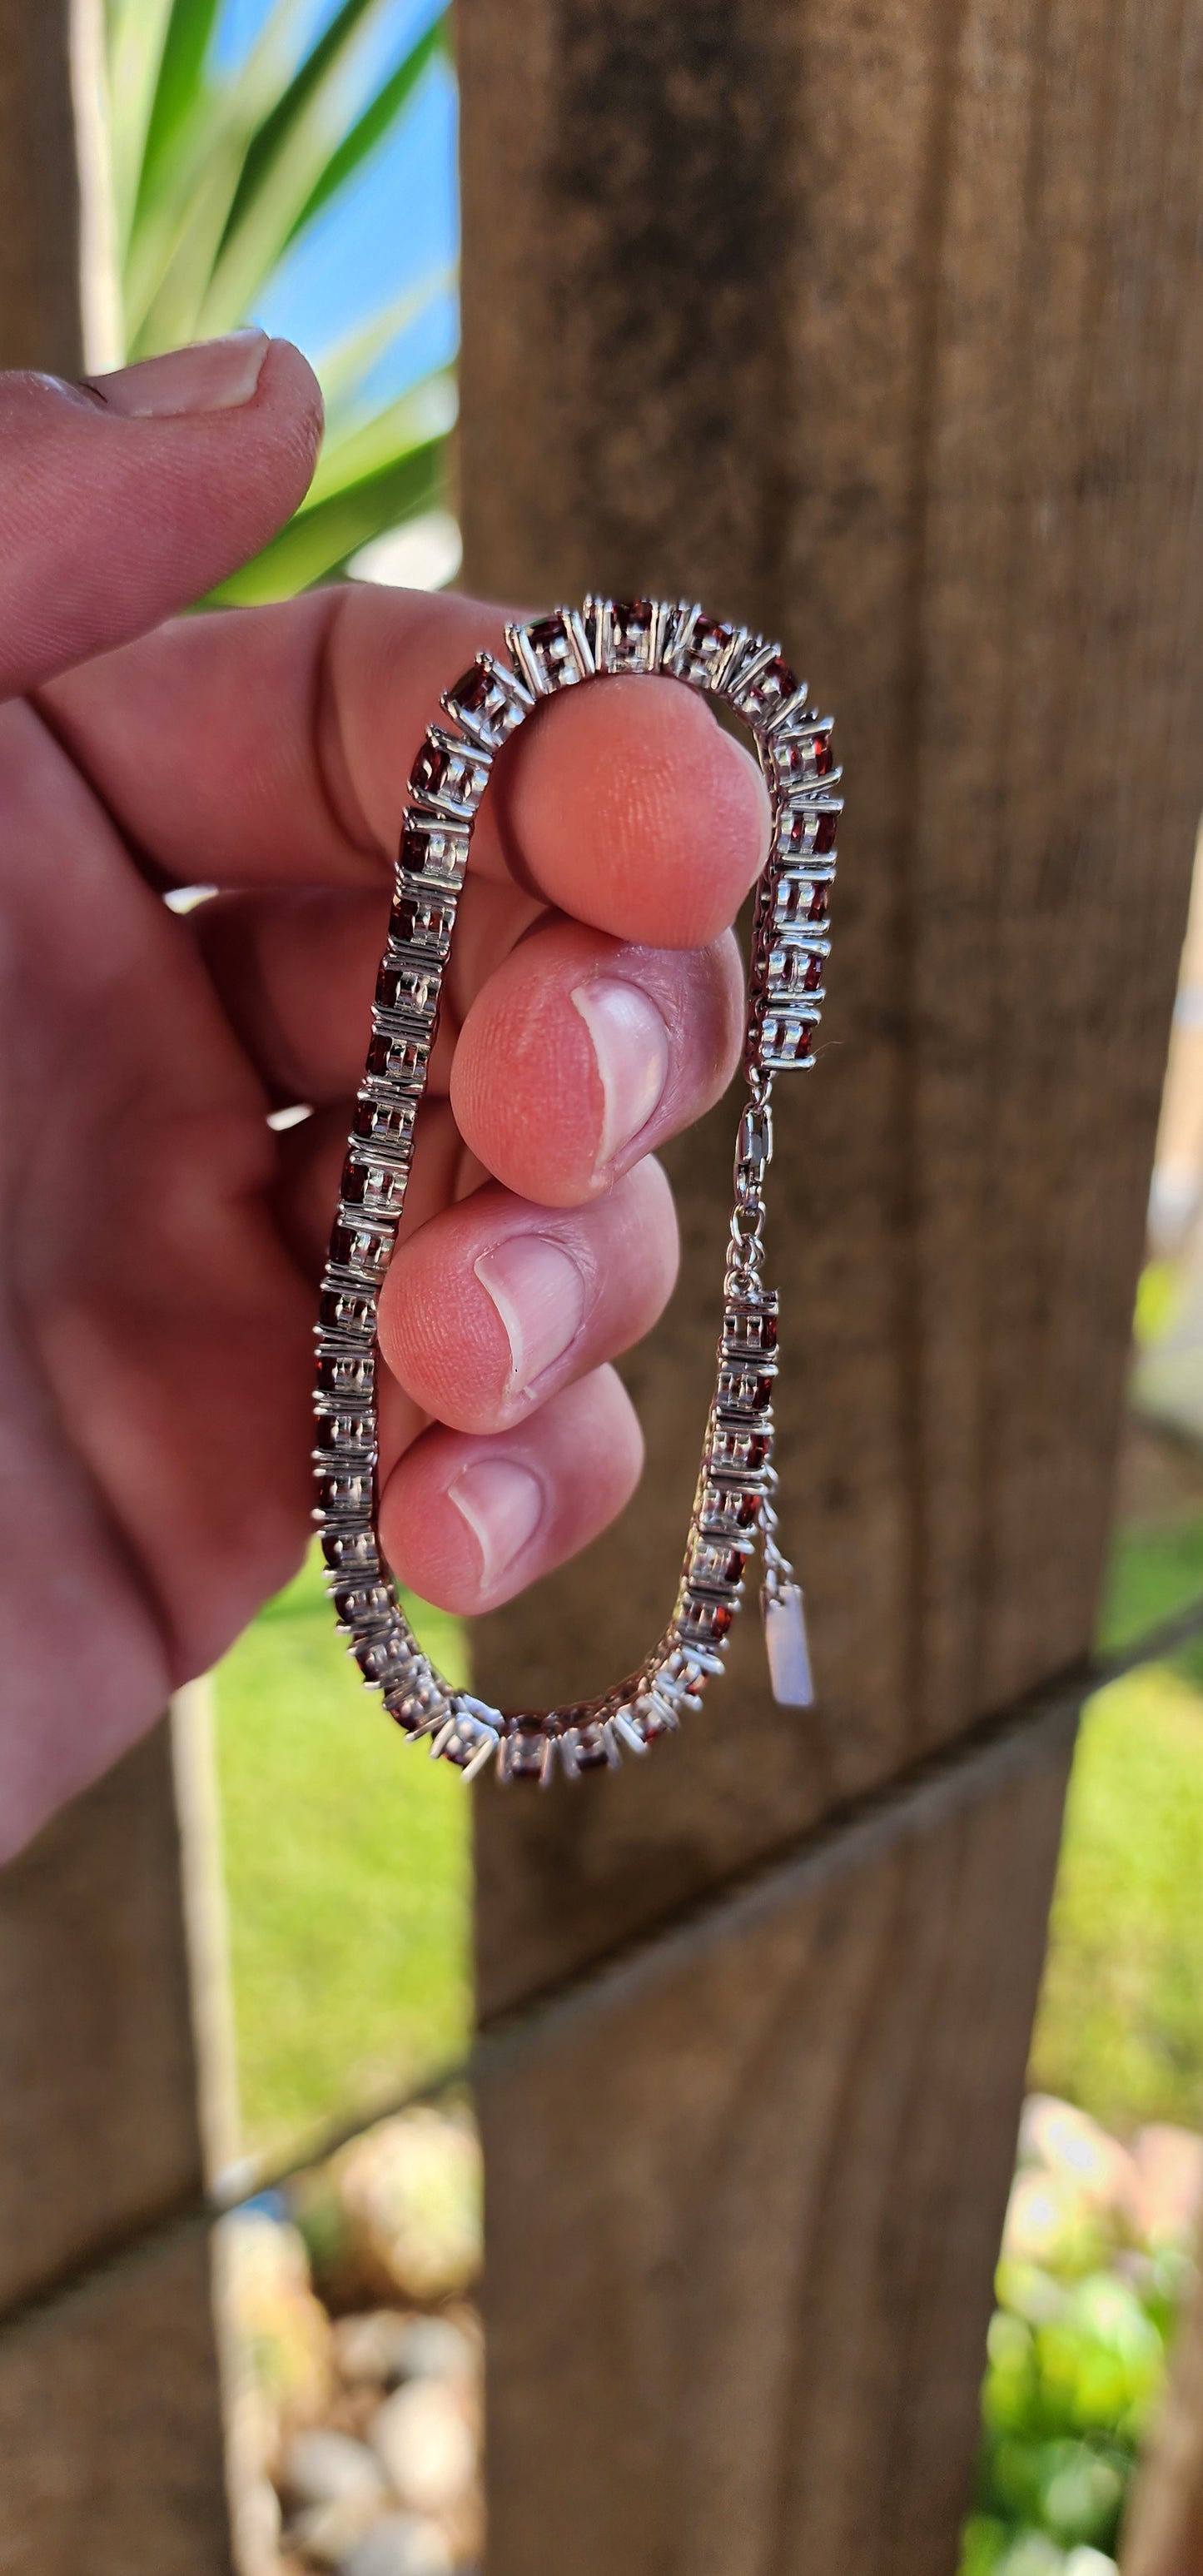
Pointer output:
275, 746
468, 1521
567, 1054
581, 1053
494, 1305
123, 499
310, 1158
295, 969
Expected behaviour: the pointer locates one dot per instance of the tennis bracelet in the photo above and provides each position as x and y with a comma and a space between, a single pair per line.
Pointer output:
734, 1507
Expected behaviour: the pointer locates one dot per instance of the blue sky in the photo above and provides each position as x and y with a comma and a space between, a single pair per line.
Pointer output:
395, 226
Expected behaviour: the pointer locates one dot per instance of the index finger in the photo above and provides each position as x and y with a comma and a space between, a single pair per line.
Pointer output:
274, 746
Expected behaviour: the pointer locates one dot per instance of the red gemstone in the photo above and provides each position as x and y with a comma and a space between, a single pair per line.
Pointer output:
471, 691
757, 1328
772, 686
632, 619
380, 1118
430, 769
714, 1617
549, 635
824, 839
813, 976
803, 1043
356, 1185
729, 1570
341, 1313
709, 638
822, 754
820, 903
415, 849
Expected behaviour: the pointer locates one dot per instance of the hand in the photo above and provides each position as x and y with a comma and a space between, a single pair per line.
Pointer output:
162, 1241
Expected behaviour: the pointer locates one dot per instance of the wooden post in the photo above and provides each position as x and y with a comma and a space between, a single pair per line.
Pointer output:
880, 329
110, 2425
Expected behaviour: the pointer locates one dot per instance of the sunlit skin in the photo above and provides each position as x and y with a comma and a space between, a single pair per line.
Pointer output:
161, 1241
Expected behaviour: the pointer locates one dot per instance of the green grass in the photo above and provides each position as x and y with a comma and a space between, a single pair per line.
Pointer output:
1120, 2025
1153, 1573
347, 1868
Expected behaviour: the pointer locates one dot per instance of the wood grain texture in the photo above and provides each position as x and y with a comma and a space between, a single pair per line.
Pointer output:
39, 198
741, 2230
880, 326
98, 2122
110, 2420
109, 2432
1163, 2525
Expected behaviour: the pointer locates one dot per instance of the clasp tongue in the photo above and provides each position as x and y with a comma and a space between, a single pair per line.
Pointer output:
786, 1646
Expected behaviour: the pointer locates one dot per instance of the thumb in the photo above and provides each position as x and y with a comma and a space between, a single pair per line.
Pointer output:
125, 498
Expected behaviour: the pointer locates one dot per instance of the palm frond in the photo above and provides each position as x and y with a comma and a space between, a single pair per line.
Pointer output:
215, 176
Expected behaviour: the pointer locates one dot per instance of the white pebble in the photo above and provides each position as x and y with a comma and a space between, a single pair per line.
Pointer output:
425, 2442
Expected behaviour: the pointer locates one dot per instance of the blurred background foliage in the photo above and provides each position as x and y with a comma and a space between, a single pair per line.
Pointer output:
291, 163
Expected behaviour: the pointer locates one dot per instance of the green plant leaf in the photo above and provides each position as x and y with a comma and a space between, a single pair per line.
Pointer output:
180, 86
344, 367
374, 123
425, 414
183, 205
307, 82
320, 540
289, 164
135, 35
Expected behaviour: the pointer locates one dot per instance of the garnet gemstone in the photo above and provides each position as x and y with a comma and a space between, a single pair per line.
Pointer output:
631, 624
820, 903
772, 686
415, 849
813, 976
714, 1618
392, 1059
430, 770
719, 1566
801, 833
341, 1312
472, 690
549, 642
379, 1118
755, 1327
708, 639
821, 749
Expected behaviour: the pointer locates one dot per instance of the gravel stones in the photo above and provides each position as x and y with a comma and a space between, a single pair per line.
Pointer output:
326, 2467
425, 2444
401, 2545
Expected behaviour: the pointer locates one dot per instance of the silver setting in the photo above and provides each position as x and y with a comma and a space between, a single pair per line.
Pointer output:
734, 1511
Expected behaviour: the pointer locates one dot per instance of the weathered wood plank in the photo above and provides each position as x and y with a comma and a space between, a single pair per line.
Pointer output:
110, 2423
741, 2229
40, 322
109, 2435
880, 328
98, 2122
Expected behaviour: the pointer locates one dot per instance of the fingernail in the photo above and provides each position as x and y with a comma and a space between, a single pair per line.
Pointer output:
212, 375
502, 1504
630, 1046
539, 1294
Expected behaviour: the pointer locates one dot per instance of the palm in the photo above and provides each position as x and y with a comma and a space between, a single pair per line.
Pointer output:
156, 1310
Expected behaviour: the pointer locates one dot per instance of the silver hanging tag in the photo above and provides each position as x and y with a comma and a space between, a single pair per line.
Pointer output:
786, 1647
